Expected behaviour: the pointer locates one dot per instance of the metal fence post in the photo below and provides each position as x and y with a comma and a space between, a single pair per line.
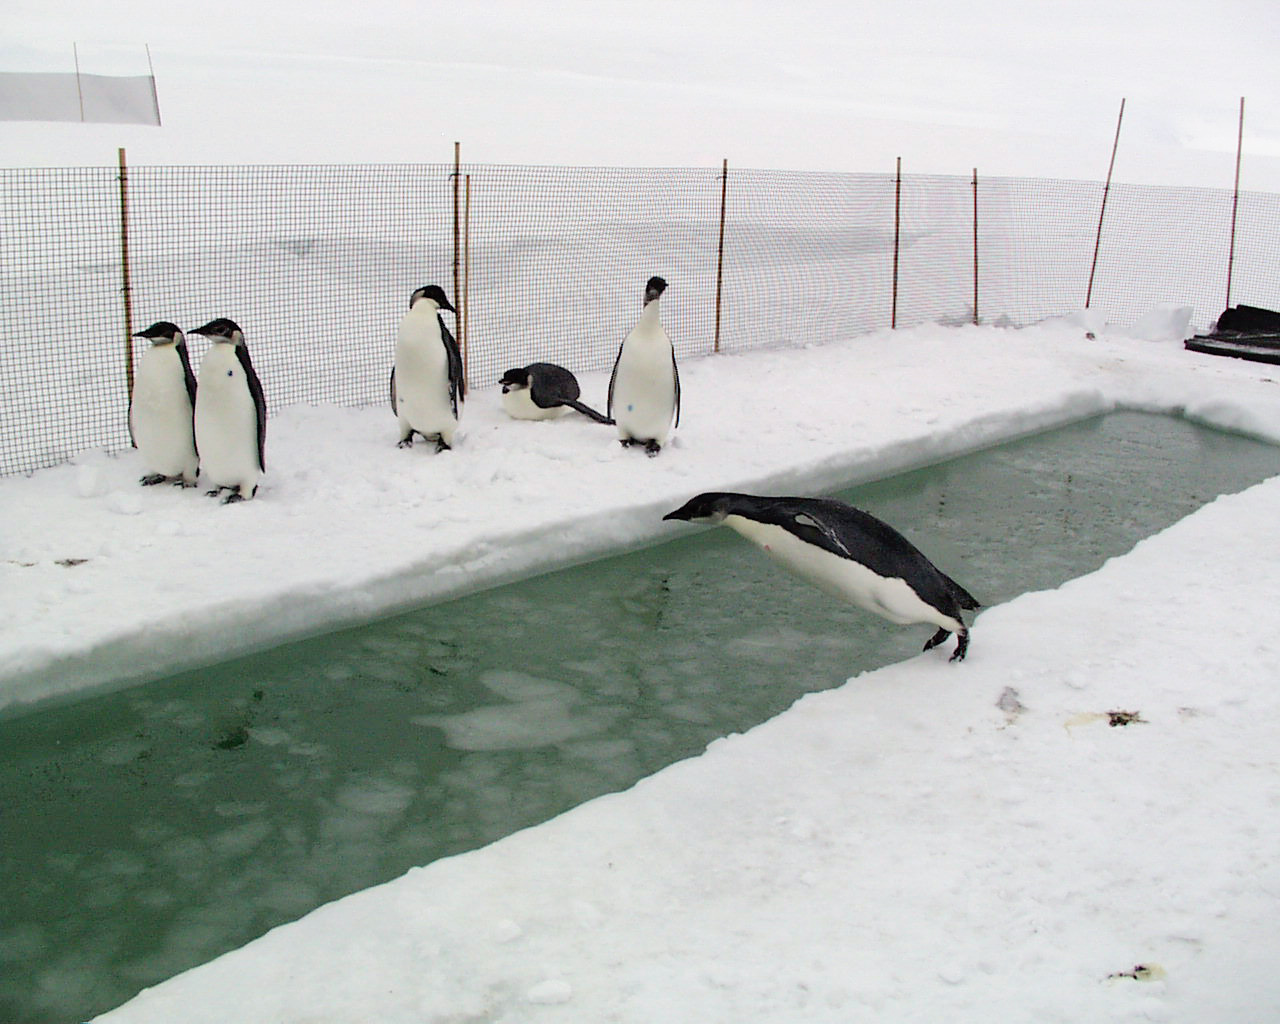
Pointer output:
724, 186
126, 287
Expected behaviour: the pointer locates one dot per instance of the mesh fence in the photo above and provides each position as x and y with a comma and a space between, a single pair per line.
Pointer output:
316, 265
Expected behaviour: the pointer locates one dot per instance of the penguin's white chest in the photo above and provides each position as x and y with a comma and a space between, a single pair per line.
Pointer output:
890, 598
226, 421
519, 404
161, 415
422, 377
644, 385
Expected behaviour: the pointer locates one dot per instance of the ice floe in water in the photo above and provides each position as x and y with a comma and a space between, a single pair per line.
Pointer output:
539, 712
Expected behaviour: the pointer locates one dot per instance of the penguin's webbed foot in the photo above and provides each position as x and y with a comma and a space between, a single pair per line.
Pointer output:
651, 448
962, 646
936, 639
151, 479
626, 442
405, 442
442, 445
214, 493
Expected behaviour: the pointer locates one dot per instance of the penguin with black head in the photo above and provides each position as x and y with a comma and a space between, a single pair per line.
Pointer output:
847, 553
231, 414
543, 391
427, 386
644, 389
162, 408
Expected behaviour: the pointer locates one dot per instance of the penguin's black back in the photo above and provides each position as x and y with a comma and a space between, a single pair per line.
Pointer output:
551, 385
859, 536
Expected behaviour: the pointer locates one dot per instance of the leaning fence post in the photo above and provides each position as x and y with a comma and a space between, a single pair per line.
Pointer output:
1235, 204
126, 287
975, 246
1097, 244
897, 228
724, 186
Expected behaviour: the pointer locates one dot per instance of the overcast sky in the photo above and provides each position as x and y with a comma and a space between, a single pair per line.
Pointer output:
1013, 88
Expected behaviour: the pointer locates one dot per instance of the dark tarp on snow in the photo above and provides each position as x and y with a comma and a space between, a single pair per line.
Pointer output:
1245, 332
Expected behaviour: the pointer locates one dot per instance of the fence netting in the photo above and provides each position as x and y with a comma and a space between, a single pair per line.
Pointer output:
316, 264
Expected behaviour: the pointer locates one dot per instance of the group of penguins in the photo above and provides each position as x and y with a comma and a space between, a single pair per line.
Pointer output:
216, 426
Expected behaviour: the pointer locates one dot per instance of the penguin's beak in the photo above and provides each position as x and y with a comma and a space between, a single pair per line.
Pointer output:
675, 515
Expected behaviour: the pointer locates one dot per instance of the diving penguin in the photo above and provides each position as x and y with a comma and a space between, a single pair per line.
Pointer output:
846, 552
644, 390
231, 414
427, 388
162, 408
543, 391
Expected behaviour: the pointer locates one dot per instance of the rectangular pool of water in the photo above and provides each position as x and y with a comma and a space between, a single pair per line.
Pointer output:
149, 830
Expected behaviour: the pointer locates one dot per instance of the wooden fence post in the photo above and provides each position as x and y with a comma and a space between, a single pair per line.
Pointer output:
897, 228
724, 186
1088, 295
975, 246
457, 166
126, 285
1235, 204
465, 303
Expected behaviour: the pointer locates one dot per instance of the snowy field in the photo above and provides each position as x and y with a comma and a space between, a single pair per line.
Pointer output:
928, 842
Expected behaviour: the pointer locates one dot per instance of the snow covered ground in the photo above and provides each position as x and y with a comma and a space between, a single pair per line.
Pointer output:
928, 842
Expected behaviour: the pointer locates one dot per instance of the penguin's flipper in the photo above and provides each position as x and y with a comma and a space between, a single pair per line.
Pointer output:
816, 530
259, 403
189, 378
188, 375
587, 411
457, 383
675, 373
393, 392
613, 378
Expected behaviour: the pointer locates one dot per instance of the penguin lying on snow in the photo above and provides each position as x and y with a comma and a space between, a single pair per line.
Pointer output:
847, 553
426, 379
231, 414
543, 391
644, 390
162, 408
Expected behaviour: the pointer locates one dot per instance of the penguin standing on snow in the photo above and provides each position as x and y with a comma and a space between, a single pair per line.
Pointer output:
846, 552
543, 391
231, 414
644, 391
427, 388
162, 408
